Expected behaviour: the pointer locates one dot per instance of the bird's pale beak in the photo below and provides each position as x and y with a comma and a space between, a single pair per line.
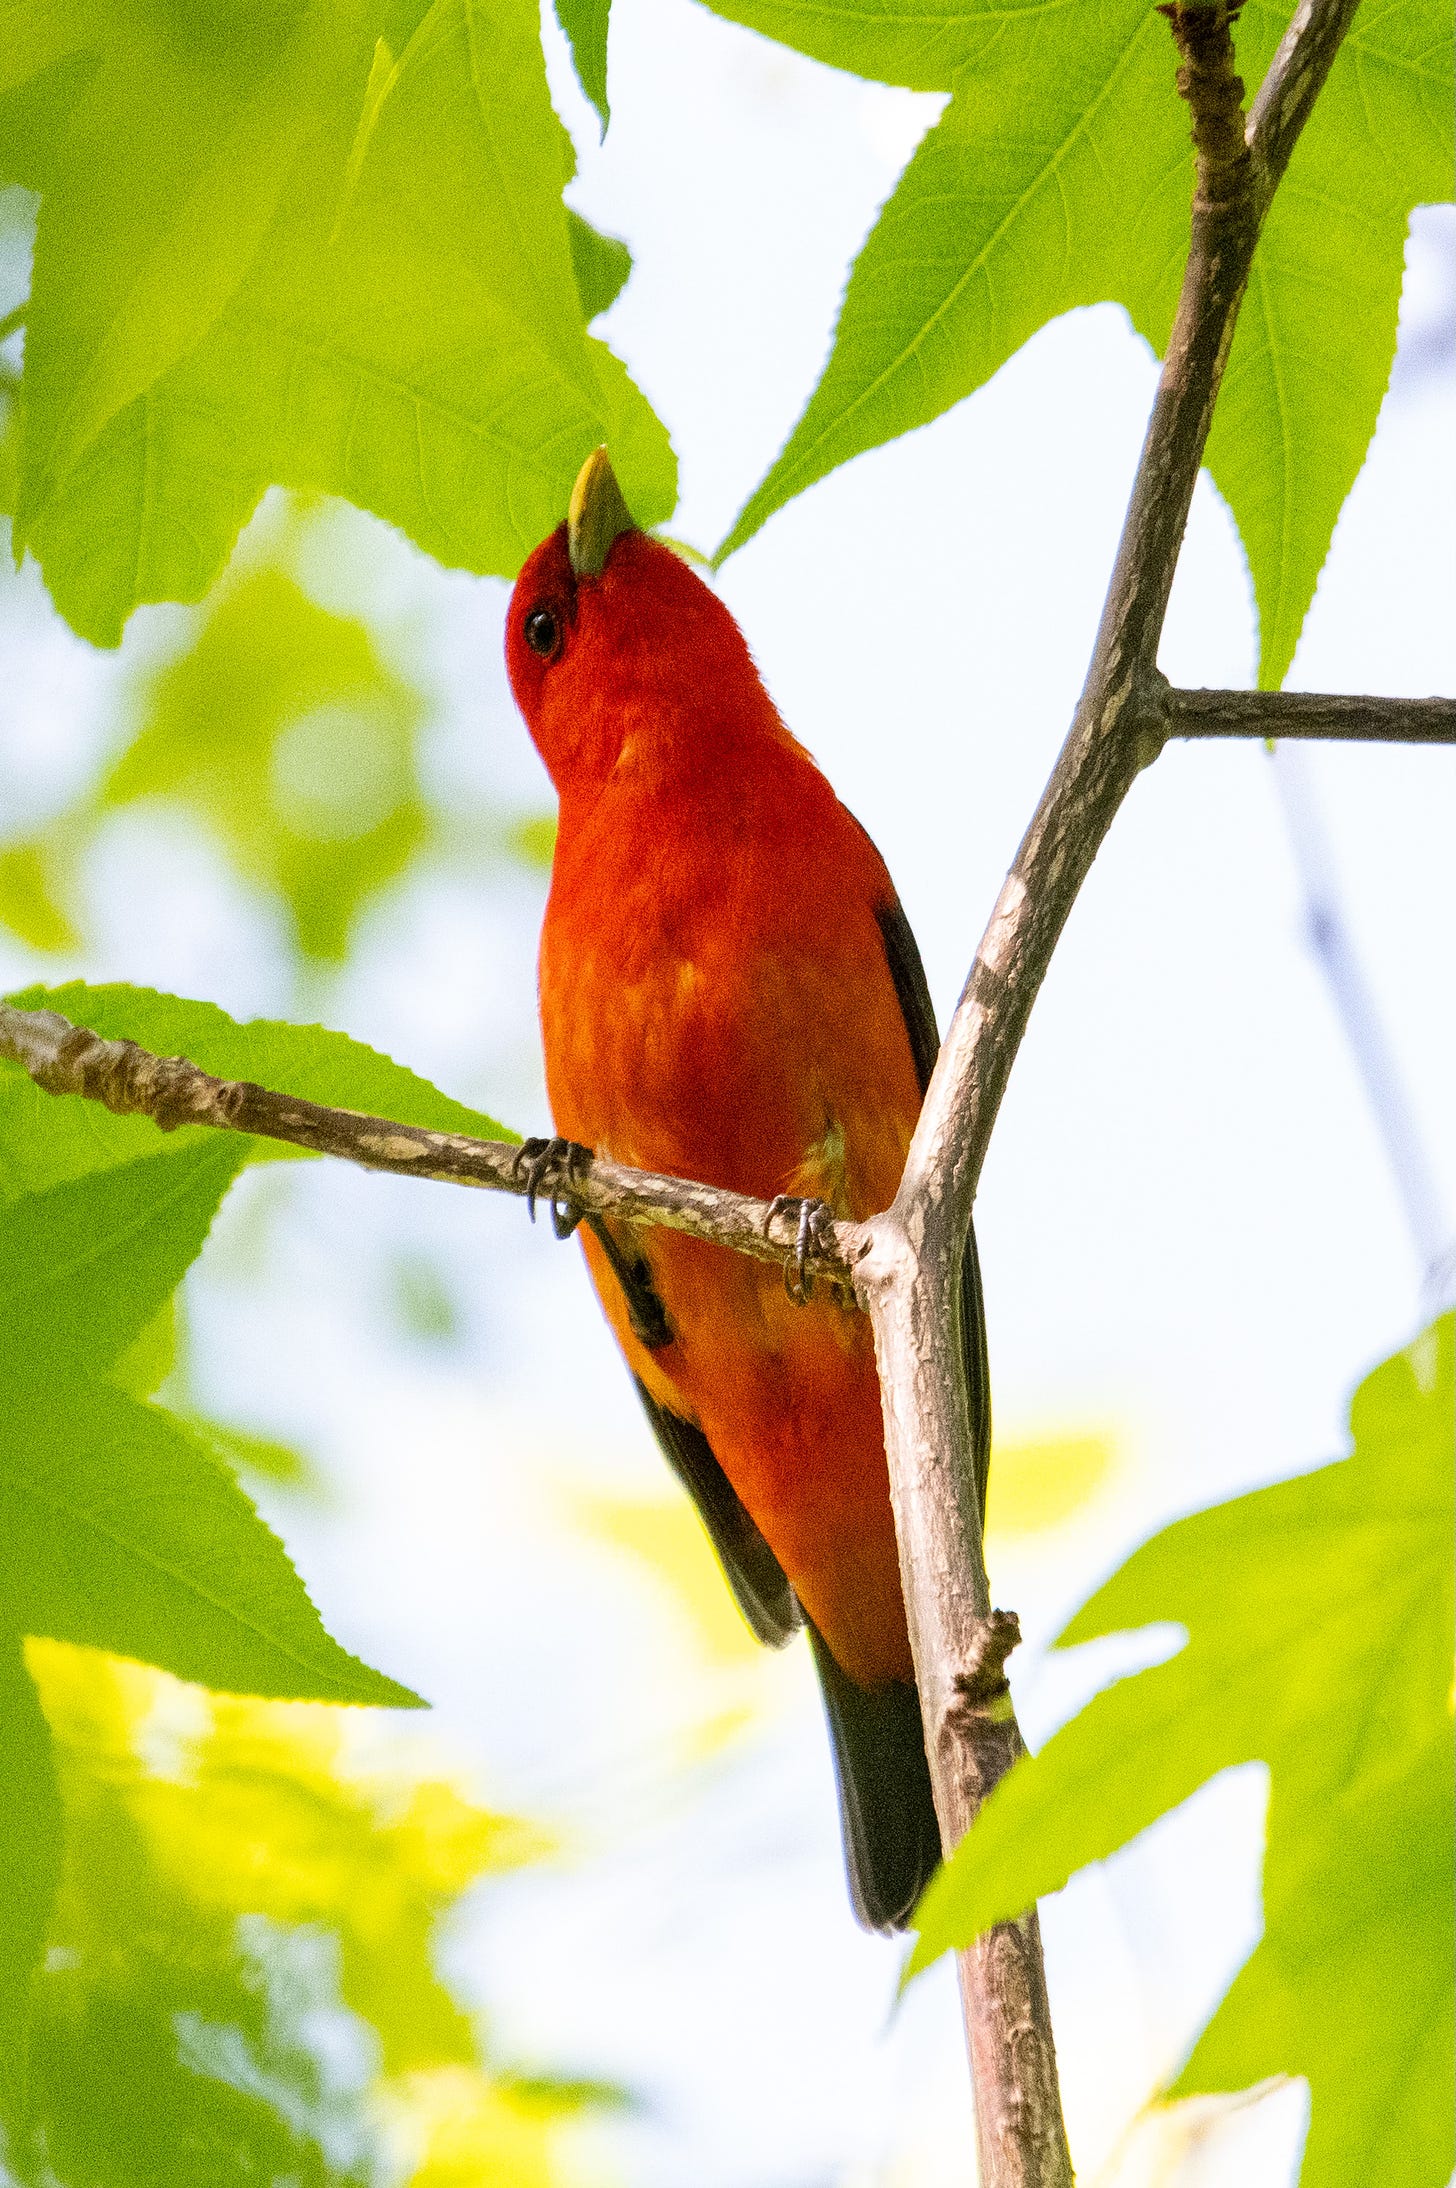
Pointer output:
597, 515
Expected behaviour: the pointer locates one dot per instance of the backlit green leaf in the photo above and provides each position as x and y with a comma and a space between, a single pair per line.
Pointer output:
30, 904
87, 1265
1012, 209
407, 330
601, 263
585, 25
176, 156
30, 1832
1319, 1624
1060, 175
122, 1532
1312, 356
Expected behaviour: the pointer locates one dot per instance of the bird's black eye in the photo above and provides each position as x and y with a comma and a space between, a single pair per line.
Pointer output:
542, 634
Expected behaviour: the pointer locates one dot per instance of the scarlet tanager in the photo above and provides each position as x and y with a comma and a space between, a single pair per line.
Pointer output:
730, 992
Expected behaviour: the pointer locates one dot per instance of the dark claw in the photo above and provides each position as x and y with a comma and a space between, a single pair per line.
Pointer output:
813, 1214
535, 1160
564, 1218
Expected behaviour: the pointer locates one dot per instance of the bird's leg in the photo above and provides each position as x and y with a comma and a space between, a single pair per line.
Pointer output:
537, 1160
814, 1218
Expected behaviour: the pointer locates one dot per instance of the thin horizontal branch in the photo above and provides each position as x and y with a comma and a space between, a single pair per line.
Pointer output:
1337, 717
67, 1059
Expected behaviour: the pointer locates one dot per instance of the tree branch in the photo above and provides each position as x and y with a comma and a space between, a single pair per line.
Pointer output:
911, 1275
905, 1265
67, 1059
1313, 714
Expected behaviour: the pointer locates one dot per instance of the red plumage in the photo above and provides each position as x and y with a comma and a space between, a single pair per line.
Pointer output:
720, 999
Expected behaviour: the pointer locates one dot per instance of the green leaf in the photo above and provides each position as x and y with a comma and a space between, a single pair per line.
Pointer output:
153, 1354
913, 42
36, 34
175, 160
30, 1831
408, 333
1014, 208
585, 25
30, 902
123, 1533
46, 1138
242, 1452
1297, 412
1358, 1905
1319, 1624
601, 264
87, 1265
1060, 175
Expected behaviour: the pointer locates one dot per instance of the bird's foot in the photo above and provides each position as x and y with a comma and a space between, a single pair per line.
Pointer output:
556, 1162
815, 1221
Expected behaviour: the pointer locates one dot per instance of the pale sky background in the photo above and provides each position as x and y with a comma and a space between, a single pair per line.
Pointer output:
1191, 1240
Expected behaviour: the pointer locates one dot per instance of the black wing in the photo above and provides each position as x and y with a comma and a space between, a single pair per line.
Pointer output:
908, 974
754, 1573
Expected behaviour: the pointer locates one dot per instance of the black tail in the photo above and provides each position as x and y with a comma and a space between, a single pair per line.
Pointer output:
891, 1837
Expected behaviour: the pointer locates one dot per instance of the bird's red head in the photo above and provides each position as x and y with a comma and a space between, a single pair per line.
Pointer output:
620, 656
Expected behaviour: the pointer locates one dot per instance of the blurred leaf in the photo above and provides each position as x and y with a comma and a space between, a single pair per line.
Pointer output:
568, 2093
423, 1301
1040, 1484
39, 33
1319, 1623
235, 285
585, 25
86, 1265
29, 903
472, 2129
46, 1138
30, 1831
535, 840
281, 729
665, 1535
123, 1533
244, 1452
242, 1984
1060, 175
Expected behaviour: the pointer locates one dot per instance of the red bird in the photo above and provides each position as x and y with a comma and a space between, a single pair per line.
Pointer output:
730, 992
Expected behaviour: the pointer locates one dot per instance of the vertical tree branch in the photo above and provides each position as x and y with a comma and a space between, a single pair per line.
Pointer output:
910, 1279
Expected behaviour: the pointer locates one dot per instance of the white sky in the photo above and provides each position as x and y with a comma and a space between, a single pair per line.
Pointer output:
1190, 1238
